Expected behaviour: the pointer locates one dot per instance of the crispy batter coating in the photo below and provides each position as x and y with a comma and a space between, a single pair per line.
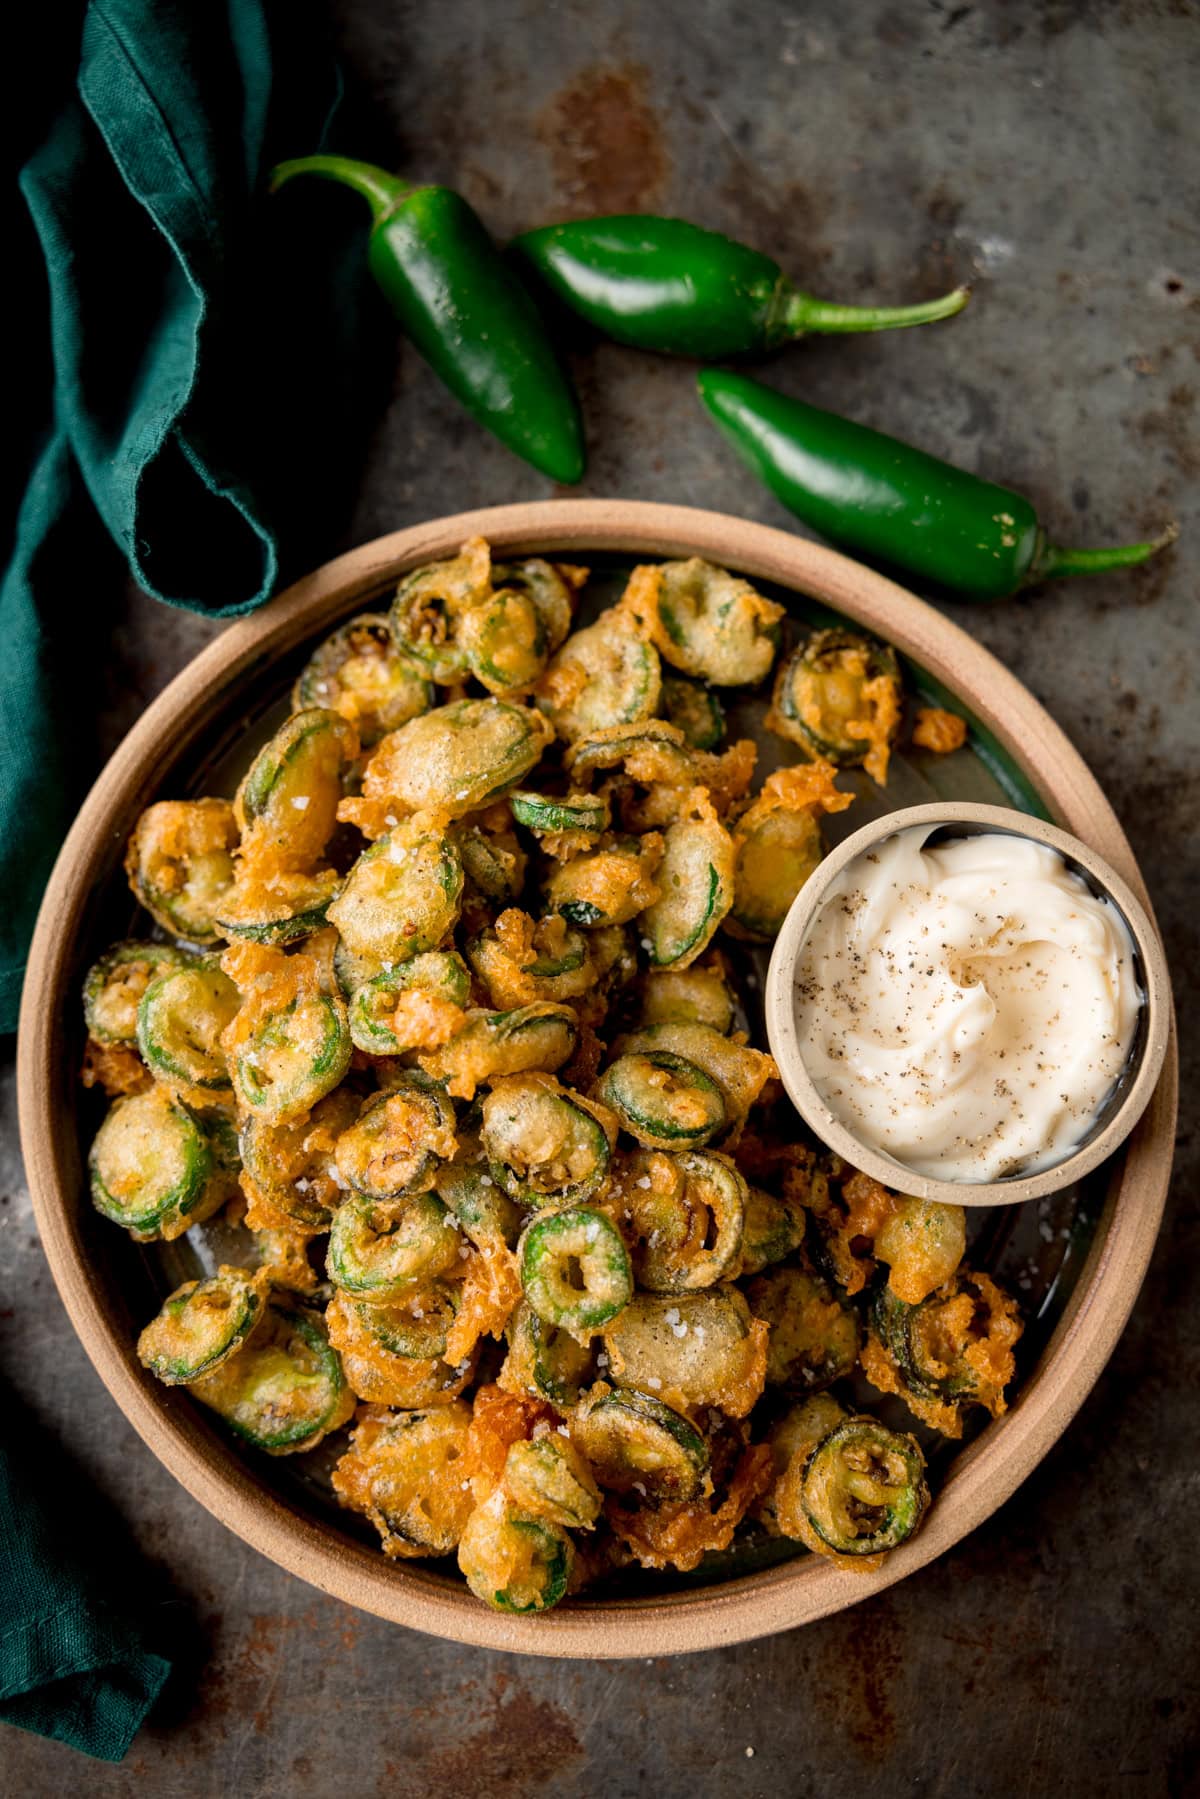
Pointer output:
116, 1067
939, 731
577, 945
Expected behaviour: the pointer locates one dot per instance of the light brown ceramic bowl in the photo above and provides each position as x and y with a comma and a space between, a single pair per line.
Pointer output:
1122, 1108
981, 1476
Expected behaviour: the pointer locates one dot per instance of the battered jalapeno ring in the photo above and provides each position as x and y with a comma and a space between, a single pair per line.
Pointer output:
401, 897
575, 1269
283, 1390
287, 804
815, 1335
838, 696
116, 982
397, 1141
607, 674
383, 1252
153, 1167
714, 625
687, 1210
403, 1472
180, 1022
293, 1058
201, 1325
632, 1440
864, 1488
544, 1146
662, 1099
545, 1360
513, 1562
359, 673
180, 864
549, 1479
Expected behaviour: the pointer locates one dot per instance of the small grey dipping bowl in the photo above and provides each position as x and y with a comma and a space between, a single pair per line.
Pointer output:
1129, 1096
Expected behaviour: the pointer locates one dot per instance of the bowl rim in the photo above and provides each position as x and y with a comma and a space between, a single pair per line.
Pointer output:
983, 1475
781, 1020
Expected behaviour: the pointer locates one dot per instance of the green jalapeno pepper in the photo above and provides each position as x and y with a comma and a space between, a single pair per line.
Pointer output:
896, 504
662, 284
465, 310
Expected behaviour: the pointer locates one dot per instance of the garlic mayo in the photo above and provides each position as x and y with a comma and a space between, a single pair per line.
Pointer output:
965, 1007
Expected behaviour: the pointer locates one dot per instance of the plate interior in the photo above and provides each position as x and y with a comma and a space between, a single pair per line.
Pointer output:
1037, 1250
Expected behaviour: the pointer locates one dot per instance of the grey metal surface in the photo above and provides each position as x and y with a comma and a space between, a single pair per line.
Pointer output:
1049, 152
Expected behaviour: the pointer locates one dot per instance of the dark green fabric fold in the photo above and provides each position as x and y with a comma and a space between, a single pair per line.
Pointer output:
201, 370
75, 1662
205, 387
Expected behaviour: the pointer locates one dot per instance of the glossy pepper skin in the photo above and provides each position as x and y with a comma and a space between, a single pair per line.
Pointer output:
893, 503
465, 310
665, 285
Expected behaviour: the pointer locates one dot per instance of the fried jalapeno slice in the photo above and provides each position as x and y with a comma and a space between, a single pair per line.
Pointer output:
358, 672
403, 1471
417, 1005
181, 1019
953, 1350
153, 1167
634, 1442
180, 864
394, 1147
545, 1360
513, 1562
283, 1390
287, 804
575, 1269
714, 625
384, 1376
662, 1099
607, 674
201, 1325
401, 897
454, 759
115, 983
541, 1036
815, 1334
545, 1146
696, 1349
547, 1478
546, 814
779, 845
838, 696
382, 1252
864, 1488
738, 1072
608, 885
293, 1059
290, 1163
428, 605
698, 994
695, 710
687, 1212
696, 883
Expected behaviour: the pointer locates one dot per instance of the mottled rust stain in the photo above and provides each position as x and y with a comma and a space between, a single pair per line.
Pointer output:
522, 1743
859, 1688
605, 142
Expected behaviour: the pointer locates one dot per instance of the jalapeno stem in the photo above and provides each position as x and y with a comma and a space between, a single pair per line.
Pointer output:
382, 192
800, 313
1052, 560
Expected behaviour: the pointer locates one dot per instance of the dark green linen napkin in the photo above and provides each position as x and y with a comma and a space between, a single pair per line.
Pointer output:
205, 390
74, 1663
